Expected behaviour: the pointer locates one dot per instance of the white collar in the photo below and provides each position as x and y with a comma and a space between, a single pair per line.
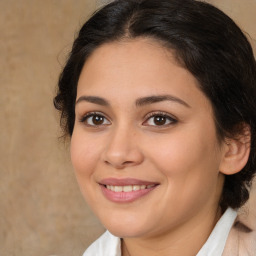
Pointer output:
215, 243
110, 245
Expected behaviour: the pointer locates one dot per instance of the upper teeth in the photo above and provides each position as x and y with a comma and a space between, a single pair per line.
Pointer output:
127, 188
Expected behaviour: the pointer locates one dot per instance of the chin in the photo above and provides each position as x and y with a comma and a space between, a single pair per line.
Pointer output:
126, 229
125, 233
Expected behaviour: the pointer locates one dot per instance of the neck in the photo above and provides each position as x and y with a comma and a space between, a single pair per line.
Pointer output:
185, 240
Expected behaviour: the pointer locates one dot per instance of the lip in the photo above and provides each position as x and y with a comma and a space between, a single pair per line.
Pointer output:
126, 182
125, 197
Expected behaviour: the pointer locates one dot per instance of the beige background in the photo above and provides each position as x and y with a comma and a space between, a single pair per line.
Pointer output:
41, 209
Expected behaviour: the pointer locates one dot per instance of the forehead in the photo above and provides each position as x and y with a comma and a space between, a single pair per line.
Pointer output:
136, 56
137, 68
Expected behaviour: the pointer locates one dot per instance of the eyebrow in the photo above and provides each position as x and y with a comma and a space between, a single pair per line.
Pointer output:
93, 99
139, 102
158, 98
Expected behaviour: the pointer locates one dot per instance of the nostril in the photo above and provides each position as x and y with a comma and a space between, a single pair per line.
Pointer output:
106, 162
120, 165
127, 162
122, 158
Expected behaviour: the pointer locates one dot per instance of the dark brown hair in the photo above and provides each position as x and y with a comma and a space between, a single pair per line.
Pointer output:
206, 42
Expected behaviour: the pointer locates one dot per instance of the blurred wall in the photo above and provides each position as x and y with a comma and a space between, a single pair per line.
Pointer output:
41, 209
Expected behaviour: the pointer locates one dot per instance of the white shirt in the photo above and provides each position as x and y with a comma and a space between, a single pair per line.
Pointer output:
110, 245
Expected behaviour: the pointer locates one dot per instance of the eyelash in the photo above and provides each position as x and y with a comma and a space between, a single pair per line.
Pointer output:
85, 118
172, 120
165, 115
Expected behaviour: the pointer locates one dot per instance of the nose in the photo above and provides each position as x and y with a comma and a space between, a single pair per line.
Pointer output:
123, 149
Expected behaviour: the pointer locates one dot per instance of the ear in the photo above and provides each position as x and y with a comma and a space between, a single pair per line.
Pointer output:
236, 152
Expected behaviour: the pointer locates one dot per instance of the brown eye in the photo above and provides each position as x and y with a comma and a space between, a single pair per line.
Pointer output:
160, 120
95, 120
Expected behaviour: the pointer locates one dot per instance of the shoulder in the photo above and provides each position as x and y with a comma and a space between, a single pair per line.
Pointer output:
106, 245
241, 240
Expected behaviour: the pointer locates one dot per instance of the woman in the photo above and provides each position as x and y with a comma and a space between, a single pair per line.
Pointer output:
159, 100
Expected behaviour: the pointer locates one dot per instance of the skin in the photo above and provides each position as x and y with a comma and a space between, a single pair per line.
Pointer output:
242, 238
183, 156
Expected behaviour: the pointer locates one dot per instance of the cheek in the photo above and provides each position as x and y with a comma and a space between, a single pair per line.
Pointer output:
84, 155
181, 154
189, 163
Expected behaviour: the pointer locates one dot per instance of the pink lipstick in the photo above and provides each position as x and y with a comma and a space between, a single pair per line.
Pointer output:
126, 190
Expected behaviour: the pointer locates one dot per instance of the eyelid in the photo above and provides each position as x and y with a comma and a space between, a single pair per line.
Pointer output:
170, 117
163, 114
92, 113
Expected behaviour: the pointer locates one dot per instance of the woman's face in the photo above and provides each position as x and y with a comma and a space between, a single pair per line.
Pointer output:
144, 146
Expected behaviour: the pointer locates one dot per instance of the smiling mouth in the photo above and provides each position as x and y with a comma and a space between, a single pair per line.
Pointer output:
128, 188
